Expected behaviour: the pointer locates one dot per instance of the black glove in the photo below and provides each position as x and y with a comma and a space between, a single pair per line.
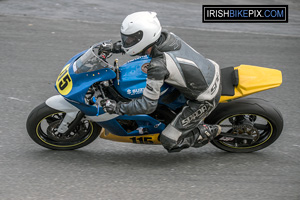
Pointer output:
109, 47
117, 47
110, 106
105, 47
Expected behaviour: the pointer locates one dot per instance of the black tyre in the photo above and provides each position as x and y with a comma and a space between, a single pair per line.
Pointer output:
254, 118
42, 124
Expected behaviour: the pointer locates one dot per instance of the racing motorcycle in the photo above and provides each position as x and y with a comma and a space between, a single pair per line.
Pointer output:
75, 118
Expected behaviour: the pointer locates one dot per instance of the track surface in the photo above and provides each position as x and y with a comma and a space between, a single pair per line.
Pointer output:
38, 37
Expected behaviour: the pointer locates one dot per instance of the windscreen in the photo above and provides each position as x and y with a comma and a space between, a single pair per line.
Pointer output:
89, 61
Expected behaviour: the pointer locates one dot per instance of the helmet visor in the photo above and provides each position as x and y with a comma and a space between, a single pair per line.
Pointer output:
132, 39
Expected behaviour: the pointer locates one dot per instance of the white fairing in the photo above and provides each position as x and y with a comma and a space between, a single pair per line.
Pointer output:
102, 118
58, 102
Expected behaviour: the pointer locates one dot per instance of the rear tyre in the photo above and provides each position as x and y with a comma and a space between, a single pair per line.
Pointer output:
251, 117
42, 125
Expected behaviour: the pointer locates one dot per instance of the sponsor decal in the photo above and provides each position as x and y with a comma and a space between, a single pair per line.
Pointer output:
198, 114
145, 67
214, 87
135, 91
141, 57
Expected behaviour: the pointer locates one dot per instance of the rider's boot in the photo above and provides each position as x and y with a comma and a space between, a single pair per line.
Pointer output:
206, 134
199, 137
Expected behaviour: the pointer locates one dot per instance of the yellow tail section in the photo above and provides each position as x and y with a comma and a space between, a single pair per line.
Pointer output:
254, 79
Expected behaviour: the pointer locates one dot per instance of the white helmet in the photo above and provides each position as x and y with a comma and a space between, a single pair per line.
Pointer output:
138, 31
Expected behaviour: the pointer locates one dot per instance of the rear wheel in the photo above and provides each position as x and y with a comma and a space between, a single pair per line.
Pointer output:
42, 125
247, 125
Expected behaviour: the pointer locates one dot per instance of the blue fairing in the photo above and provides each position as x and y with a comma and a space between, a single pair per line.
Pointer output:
83, 81
81, 84
130, 85
145, 121
132, 79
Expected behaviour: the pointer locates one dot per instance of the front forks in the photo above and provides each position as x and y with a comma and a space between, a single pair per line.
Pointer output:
64, 125
73, 115
69, 122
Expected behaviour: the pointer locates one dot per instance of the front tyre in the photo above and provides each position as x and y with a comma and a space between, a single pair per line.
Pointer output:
255, 122
42, 125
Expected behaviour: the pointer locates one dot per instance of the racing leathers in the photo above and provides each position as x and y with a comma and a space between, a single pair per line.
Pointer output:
197, 78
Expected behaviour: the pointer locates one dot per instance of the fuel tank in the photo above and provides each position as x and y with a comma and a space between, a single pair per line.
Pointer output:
133, 75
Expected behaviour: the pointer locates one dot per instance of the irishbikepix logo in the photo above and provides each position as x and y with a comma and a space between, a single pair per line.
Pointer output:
245, 13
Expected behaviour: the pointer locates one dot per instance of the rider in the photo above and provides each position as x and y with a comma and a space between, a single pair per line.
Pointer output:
178, 64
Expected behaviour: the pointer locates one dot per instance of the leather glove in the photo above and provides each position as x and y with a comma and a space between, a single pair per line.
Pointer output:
105, 47
109, 47
110, 106
117, 47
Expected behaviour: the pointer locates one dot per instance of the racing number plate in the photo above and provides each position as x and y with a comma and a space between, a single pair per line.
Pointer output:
64, 82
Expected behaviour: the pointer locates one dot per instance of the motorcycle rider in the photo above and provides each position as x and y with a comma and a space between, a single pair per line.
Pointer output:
178, 64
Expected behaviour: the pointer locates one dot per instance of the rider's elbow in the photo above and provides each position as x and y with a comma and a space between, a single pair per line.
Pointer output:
150, 110
151, 105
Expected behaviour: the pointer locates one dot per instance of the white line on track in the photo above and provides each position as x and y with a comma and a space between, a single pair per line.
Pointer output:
14, 98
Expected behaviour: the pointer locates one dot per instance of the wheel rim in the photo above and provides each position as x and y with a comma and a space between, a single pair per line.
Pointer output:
46, 131
257, 126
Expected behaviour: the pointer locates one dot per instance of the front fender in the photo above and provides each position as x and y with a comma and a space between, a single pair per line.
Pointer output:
58, 102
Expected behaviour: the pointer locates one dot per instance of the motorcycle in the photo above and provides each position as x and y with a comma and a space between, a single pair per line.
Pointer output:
75, 118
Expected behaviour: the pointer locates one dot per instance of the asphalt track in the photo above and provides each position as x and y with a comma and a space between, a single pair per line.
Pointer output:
38, 37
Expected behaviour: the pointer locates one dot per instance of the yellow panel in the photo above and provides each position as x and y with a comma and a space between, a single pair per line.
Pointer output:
142, 139
254, 79
64, 82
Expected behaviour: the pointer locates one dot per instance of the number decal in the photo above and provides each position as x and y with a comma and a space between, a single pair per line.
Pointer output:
64, 82
142, 140
148, 140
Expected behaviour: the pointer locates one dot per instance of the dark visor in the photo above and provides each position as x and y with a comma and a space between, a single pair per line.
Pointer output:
130, 40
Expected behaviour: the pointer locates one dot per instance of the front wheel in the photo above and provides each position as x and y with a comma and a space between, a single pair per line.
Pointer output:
42, 125
247, 125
